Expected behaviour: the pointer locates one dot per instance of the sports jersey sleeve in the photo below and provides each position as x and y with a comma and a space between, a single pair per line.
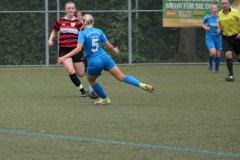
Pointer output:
205, 20
238, 17
103, 37
56, 27
80, 37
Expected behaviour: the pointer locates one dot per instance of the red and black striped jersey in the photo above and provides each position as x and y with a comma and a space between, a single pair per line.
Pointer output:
68, 31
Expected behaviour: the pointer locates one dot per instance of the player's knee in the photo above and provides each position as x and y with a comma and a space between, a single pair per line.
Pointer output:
228, 55
80, 74
70, 71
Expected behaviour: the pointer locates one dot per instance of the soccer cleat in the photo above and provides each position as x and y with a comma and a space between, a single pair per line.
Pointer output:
217, 71
105, 101
147, 87
84, 94
230, 78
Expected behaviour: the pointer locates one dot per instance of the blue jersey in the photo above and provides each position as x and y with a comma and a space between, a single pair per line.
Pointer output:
92, 39
211, 22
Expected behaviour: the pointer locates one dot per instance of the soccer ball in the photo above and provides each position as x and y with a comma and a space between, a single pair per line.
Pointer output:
91, 93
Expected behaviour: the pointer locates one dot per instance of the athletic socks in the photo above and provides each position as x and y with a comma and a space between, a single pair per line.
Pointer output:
131, 80
127, 79
210, 59
81, 88
75, 79
230, 66
77, 82
99, 90
218, 60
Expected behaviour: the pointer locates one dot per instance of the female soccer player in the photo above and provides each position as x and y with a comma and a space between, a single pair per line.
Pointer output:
213, 38
79, 15
91, 40
69, 26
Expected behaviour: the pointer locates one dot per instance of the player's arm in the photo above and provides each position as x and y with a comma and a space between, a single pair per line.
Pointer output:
111, 47
219, 28
238, 17
52, 36
205, 27
204, 23
70, 54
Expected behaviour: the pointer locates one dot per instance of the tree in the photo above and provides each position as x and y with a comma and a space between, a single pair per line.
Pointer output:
187, 44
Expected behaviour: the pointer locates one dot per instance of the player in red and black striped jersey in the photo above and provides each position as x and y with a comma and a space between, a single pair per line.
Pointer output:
79, 15
69, 26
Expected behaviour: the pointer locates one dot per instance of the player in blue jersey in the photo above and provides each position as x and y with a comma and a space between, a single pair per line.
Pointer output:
213, 39
91, 40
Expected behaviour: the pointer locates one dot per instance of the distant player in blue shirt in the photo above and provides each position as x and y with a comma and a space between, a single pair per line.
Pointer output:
91, 40
213, 39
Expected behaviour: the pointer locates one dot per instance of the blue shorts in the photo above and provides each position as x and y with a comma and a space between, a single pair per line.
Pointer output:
96, 65
214, 42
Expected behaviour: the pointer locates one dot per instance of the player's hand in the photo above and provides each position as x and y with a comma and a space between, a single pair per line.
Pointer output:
238, 36
219, 31
207, 28
50, 42
116, 50
60, 60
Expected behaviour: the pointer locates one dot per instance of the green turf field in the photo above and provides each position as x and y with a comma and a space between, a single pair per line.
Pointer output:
194, 114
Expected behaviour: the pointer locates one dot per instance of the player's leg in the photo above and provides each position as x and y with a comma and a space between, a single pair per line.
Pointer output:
238, 57
212, 51
104, 100
115, 71
111, 67
96, 86
218, 45
236, 49
68, 64
228, 48
85, 66
218, 60
94, 71
229, 64
78, 66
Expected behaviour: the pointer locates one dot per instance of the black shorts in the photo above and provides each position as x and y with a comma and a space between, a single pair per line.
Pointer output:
65, 50
231, 43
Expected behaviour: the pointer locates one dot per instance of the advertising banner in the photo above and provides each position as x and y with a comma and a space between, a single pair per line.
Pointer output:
189, 13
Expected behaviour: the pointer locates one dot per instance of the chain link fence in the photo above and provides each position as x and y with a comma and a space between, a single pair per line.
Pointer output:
135, 26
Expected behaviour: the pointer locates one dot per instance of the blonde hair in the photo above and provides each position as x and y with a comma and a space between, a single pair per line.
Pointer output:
87, 19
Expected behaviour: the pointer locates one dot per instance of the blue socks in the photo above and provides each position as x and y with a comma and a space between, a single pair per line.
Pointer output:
99, 90
210, 60
218, 60
127, 79
131, 80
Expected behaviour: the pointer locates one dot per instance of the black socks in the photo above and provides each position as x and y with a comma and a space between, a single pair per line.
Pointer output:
75, 79
230, 66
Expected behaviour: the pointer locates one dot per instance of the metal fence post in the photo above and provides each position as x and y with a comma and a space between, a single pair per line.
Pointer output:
129, 32
46, 32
